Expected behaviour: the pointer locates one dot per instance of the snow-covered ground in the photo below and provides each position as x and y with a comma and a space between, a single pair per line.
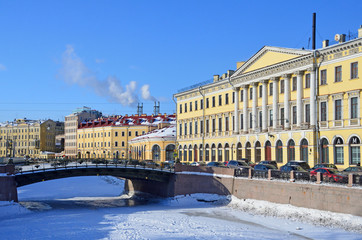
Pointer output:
93, 208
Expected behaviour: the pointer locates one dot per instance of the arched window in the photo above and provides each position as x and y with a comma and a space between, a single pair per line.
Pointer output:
226, 152
169, 152
279, 151
248, 151
219, 152
324, 155
257, 151
156, 152
201, 153
291, 150
185, 153
268, 151
213, 153
338, 151
190, 153
304, 150
354, 151
239, 152
207, 153
195, 153
180, 153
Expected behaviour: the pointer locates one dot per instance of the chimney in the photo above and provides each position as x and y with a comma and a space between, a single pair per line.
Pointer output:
325, 43
216, 78
360, 31
230, 72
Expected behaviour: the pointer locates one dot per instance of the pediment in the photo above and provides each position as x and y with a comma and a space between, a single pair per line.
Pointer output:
268, 56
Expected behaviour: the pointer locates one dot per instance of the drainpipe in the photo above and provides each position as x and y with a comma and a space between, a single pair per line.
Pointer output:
203, 125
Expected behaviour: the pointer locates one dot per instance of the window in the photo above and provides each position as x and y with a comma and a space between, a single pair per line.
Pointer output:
136, 133
354, 107
201, 126
190, 123
122, 134
233, 123
260, 119
190, 106
129, 133
271, 89
250, 120
323, 111
226, 124
261, 91
307, 80
324, 77
241, 95
202, 104
354, 70
338, 109
282, 116
122, 143
185, 107
241, 121
307, 113
294, 84
195, 105
196, 127
251, 93
338, 151
226, 98
207, 126
116, 144
220, 100
294, 109
282, 86
220, 124
233, 97
338, 74
180, 108
116, 134
304, 150
185, 125
271, 117
354, 150
207, 102
213, 101
213, 125
279, 151
180, 129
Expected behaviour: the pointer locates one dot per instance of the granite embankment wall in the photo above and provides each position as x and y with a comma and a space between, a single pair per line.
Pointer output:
8, 191
340, 199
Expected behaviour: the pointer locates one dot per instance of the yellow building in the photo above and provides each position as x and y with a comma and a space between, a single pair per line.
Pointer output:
28, 138
282, 104
109, 138
158, 145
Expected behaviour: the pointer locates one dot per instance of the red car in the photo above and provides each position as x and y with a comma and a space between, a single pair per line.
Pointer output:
330, 173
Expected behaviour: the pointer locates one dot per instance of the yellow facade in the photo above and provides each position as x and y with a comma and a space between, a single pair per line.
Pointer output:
267, 86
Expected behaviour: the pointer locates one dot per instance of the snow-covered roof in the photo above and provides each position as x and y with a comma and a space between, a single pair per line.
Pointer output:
167, 132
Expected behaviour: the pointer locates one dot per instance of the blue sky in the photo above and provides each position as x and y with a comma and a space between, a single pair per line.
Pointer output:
56, 56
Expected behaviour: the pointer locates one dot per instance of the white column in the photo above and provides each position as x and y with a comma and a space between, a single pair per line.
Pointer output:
236, 114
245, 107
312, 97
275, 101
299, 98
286, 101
254, 113
264, 106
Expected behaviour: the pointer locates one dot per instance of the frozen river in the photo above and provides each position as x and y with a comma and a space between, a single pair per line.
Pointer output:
92, 208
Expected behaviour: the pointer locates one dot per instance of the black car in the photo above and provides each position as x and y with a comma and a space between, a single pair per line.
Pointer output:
324, 165
274, 163
299, 172
356, 169
302, 164
261, 170
236, 164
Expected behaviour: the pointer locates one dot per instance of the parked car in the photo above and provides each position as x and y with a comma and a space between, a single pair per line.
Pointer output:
330, 173
261, 170
250, 163
274, 163
302, 164
237, 164
215, 164
149, 163
356, 169
299, 172
324, 165
194, 164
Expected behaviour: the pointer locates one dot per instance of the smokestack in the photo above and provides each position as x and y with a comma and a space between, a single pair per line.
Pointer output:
313, 36
156, 108
140, 109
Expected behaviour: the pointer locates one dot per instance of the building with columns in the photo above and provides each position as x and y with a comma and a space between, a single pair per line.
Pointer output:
282, 104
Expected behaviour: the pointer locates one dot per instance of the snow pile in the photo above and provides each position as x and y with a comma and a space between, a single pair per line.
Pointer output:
197, 199
11, 209
313, 216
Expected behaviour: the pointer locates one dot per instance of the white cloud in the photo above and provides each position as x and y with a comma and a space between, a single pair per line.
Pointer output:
74, 71
2, 67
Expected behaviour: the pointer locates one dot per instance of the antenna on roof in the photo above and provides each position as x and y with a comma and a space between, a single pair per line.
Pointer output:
156, 108
140, 109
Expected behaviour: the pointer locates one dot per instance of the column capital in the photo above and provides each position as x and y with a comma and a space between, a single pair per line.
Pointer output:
237, 88
275, 79
287, 75
299, 73
254, 84
246, 86
265, 81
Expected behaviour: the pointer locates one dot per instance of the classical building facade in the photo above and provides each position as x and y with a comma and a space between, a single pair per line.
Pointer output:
282, 104
109, 137
29, 138
158, 145
71, 123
